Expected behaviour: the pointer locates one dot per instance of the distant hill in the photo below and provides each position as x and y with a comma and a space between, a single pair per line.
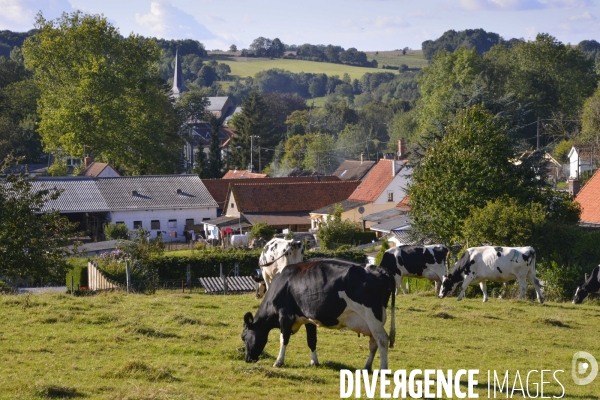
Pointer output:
10, 39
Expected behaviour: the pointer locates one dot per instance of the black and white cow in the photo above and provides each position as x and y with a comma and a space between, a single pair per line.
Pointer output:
330, 293
417, 261
495, 264
276, 255
592, 285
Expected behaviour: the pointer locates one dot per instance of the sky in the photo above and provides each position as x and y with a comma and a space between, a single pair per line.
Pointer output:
367, 25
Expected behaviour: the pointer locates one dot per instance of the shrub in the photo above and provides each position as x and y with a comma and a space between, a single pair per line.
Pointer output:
116, 231
78, 271
262, 230
365, 237
335, 232
384, 246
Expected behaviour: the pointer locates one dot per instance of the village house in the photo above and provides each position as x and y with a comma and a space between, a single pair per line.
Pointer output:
165, 205
352, 170
281, 205
98, 169
583, 157
381, 189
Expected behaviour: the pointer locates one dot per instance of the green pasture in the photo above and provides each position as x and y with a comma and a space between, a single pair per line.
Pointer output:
243, 66
413, 59
187, 346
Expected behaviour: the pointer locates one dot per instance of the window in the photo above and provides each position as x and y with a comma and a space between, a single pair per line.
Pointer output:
155, 224
390, 196
189, 222
232, 205
172, 224
137, 224
119, 222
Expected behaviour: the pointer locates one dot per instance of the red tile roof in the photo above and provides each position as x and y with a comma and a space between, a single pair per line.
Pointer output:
235, 174
288, 197
219, 188
589, 199
376, 181
404, 204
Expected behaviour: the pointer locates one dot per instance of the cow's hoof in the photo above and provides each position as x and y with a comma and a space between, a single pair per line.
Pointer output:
278, 364
314, 364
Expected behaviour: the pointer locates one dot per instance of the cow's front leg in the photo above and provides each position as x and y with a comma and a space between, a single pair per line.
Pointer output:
483, 287
311, 340
285, 324
465, 285
372, 351
438, 285
266, 278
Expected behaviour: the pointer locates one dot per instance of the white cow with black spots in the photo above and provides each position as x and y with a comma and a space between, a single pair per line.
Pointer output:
494, 264
276, 255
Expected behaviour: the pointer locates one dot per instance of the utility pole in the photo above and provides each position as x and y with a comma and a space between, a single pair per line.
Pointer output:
259, 163
538, 134
251, 148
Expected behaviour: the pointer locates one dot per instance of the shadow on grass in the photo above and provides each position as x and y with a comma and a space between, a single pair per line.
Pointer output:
336, 366
151, 332
553, 322
57, 392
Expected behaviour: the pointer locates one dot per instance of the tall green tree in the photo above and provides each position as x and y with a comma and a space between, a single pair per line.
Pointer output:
101, 93
469, 166
32, 242
254, 120
215, 159
590, 120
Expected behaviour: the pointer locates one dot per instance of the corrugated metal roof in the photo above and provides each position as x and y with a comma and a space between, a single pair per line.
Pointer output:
383, 215
162, 191
84, 194
79, 194
392, 224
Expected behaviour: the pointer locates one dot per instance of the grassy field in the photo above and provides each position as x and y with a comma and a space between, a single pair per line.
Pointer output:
413, 58
181, 346
243, 67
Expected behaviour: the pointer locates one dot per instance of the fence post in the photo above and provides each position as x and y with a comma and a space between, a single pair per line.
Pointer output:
188, 275
236, 270
224, 284
128, 274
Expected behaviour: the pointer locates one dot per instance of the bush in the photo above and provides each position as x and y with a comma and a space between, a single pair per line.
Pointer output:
206, 263
262, 230
335, 232
116, 231
365, 237
384, 246
78, 272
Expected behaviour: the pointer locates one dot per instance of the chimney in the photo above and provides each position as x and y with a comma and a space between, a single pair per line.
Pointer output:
87, 161
400, 148
393, 162
574, 186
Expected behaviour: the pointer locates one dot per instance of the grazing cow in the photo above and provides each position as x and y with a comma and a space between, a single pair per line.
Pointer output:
495, 264
417, 261
276, 255
592, 285
328, 292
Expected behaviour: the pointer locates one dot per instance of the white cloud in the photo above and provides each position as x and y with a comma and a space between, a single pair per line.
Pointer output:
586, 16
385, 22
520, 5
19, 15
170, 22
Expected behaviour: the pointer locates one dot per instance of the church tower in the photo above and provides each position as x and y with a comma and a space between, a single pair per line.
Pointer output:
178, 85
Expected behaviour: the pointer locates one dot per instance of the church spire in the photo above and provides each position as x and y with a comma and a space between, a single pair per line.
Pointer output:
178, 85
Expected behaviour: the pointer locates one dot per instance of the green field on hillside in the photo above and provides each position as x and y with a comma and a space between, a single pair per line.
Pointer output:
413, 58
243, 67
181, 346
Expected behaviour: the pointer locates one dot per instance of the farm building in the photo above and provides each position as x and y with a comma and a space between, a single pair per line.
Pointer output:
164, 205
585, 157
352, 170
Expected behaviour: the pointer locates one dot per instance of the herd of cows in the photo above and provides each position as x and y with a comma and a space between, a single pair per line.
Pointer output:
338, 294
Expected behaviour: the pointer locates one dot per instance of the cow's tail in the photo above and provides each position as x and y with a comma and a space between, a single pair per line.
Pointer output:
393, 318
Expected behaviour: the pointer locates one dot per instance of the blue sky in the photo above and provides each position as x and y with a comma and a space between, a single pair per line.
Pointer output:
364, 24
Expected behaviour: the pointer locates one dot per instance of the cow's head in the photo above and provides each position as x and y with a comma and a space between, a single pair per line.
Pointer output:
295, 251
255, 339
447, 286
580, 295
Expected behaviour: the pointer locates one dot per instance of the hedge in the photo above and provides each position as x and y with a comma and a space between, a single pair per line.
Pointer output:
78, 272
206, 263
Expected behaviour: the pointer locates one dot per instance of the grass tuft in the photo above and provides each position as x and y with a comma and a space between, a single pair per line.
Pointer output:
140, 370
183, 320
151, 332
442, 315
